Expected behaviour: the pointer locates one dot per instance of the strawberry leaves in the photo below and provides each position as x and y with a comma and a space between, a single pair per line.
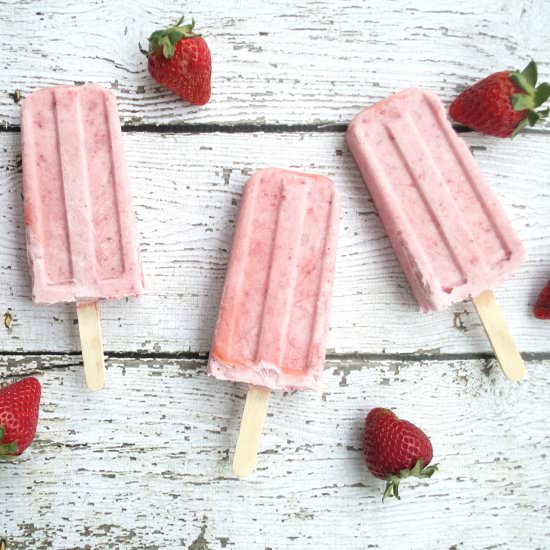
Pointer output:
6, 449
418, 470
542, 93
531, 97
526, 80
168, 38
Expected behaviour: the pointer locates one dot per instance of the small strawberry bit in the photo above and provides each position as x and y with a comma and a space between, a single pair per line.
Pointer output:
396, 449
542, 305
19, 405
179, 59
504, 103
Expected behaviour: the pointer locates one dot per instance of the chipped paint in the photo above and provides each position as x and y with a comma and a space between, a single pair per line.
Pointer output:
200, 543
262, 77
187, 274
8, 320
152, 442
458, 320
16, 96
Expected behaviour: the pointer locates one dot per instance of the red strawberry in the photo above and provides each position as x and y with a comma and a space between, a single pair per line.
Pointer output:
542, 305
179, 60
503, 103
396, 449
18, 416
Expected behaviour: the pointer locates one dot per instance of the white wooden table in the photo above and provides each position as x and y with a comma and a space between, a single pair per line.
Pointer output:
146, 462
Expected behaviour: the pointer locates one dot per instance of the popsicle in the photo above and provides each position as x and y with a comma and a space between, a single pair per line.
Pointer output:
273, 320
450, 234
81, 236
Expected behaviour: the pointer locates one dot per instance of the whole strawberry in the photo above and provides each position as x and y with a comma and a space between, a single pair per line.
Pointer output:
179, 60
396, 449
503, 103
18, 416
542, 305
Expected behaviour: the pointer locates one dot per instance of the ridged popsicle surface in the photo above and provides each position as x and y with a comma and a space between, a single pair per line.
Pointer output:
79, 217
447, 227
273, 321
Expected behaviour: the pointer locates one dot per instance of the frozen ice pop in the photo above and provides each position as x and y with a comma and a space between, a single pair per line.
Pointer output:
273, 320
81, 236
447, 227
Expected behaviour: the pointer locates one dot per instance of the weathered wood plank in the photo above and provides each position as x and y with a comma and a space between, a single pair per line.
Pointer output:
146, 462
187, 190
274, 62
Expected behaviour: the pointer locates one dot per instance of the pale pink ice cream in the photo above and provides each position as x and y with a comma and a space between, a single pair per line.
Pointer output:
447, 227
273, 320
81, 235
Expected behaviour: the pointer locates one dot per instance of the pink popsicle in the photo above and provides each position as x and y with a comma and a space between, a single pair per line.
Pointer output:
273, 320
81, 236
447, 227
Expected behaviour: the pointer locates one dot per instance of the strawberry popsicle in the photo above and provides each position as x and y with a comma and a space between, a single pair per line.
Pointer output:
81, 236
447, 227
273, 320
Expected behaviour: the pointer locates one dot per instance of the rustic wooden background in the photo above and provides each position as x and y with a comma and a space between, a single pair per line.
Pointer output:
146, 462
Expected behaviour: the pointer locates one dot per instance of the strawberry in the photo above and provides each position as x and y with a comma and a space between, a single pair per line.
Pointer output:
542, 305
503, 103
179, 60
18, 416
396, 449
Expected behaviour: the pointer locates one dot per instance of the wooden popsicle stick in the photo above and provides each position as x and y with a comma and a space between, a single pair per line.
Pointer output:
499, 335
89, 326
250, 432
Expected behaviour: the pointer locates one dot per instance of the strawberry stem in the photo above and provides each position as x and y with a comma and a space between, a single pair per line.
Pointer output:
530, 97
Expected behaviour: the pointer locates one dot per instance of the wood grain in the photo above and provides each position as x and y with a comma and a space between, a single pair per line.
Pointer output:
146, 462
274, 62
187, 190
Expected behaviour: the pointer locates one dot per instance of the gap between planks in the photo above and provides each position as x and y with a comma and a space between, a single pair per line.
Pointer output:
245, 128
201, 356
